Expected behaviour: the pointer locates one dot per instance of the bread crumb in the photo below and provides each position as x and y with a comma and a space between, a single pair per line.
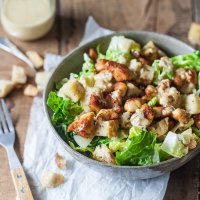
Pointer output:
18, 75
60, 161
31, 90
35, 58
194, 33
51, 179
6, 86
41, 79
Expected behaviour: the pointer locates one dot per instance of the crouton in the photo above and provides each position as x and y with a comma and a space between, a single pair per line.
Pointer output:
35, 58
73, 89
6, 87
142, 117
18, 75
192, 104
161, 127
103, 81
125, 120
194, 33
41, 79
51, 179
131, 105
103, 153
107, 128
181, 115
31, 90
60, 161
83, 125
133, 91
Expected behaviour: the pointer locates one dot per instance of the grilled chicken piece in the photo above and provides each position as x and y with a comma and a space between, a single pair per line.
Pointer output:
84, 125
185, 80
103, 154
107, 114
100, 65
92, 54
197, 120
142, 117
119, 71
107, 128
181, 115
97, 102
122, 87
146, 75
114, 101
161, 127
131, 105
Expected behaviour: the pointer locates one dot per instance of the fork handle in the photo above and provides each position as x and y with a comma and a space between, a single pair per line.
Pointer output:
21, 184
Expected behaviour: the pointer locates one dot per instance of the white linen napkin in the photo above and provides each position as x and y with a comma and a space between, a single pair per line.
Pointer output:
81, 182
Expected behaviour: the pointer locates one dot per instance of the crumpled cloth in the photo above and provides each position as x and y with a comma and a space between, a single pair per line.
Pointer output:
81, 182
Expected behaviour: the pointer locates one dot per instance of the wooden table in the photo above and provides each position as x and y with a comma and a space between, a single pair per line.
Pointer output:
172, 17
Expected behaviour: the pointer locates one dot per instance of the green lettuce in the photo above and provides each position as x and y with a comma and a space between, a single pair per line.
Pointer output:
139, 148
64, 110
153, 101
88, 66
114, 55
161, 72
173, 145
189, 61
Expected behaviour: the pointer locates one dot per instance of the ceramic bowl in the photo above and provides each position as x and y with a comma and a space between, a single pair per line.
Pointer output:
73, 62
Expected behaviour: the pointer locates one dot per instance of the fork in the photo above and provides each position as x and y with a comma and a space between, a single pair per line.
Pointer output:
7, 139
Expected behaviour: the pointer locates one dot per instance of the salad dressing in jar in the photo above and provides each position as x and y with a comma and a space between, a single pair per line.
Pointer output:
27, 19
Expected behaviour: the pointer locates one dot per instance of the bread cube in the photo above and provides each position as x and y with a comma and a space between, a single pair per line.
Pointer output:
18, 75
31, 91
6, 87
194, 33
192, 104
51, 179
35, 58
72, 89
41, 79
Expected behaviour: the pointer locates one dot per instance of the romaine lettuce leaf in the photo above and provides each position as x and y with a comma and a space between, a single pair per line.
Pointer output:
115, 55
88, 66
64, 110
189, 61
139, 149
161, 72
174, 146
153, 101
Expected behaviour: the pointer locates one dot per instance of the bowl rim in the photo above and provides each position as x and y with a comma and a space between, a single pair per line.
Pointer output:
90, 160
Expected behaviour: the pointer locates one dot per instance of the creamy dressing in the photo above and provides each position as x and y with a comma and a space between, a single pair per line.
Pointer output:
28, 19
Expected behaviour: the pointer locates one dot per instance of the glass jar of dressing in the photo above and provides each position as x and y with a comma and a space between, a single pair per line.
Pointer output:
28, 19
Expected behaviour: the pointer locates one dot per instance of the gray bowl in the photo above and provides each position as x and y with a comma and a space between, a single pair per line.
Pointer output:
73, 62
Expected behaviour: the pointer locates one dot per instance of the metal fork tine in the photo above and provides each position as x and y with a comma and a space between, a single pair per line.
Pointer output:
1, 130
7, 116
2, 119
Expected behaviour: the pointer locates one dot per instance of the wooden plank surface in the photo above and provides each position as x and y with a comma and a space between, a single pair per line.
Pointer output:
172, 17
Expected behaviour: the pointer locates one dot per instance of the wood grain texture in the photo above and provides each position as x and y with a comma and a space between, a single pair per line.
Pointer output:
21, 184
172, 17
